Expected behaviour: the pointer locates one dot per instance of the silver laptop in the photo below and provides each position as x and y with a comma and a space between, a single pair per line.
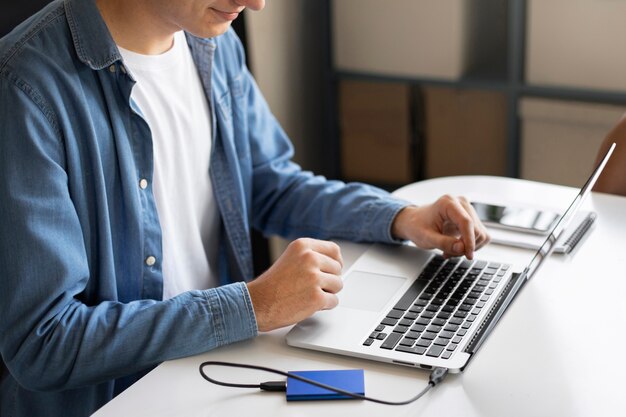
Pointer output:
412, 307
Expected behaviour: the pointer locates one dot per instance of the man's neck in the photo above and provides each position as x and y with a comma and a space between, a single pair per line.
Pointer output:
137, 27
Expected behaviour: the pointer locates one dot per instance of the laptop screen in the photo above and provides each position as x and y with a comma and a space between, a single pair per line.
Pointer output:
550, 243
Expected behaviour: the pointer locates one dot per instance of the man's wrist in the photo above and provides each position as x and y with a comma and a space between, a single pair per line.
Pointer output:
401, 223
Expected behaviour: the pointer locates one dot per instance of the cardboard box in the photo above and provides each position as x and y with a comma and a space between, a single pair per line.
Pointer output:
576, 43
560, 139
465, 132
375, 128
425, 38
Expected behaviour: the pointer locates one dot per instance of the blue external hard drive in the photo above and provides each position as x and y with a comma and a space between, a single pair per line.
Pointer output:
351, 380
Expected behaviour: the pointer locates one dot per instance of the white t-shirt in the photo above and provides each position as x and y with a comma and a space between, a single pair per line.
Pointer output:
170, 95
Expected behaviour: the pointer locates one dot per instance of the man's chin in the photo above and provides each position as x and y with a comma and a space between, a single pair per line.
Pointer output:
211, 31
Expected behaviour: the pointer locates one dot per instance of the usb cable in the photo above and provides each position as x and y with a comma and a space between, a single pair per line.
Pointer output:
436, 376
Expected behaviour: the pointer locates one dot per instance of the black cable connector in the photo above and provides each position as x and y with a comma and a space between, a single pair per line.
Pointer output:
273, 386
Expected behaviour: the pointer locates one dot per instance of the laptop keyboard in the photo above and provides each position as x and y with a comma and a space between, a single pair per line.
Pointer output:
437, 311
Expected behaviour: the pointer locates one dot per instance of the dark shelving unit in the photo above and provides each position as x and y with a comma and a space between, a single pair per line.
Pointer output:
507, 78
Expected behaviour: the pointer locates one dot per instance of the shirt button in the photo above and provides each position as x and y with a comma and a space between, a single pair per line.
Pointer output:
143, 183
112, 68
150, 260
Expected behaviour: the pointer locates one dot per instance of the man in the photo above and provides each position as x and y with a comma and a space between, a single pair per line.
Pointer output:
134, 159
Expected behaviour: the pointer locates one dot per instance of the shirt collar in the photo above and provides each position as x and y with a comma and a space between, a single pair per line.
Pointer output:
92, 40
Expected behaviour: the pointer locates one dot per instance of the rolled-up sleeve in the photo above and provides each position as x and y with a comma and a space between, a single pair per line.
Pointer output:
231, 314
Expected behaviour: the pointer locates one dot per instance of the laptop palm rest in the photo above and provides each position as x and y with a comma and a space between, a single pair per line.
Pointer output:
363, 300
368, 291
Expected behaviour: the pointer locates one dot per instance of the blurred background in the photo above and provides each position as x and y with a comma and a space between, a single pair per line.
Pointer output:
404, 90
394, 92
398, 91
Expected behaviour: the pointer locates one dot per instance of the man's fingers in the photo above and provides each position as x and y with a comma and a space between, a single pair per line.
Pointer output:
325, 247
329, 265
480, 232
331, 283
450, 245
482, 239
459, 215
330, 301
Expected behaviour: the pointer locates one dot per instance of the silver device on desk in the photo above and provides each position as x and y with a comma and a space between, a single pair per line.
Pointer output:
412, 307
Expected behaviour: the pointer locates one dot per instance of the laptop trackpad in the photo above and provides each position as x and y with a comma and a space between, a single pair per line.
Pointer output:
366, 291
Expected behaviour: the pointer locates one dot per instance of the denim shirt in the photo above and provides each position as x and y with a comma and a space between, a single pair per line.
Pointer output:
80, 243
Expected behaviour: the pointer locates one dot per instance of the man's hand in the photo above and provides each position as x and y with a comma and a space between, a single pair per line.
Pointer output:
449, 224
302, 281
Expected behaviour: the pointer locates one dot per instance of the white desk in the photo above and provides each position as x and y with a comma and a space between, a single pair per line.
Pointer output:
546, 357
